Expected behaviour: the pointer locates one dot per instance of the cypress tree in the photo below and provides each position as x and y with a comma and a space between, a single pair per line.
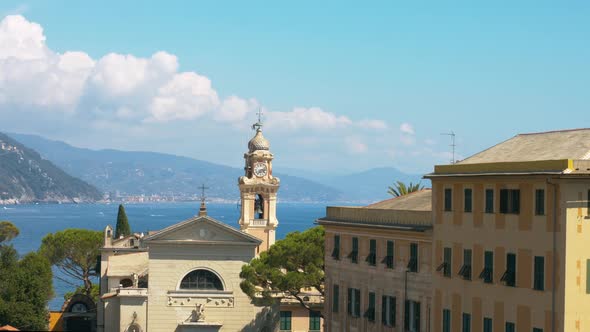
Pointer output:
122, 228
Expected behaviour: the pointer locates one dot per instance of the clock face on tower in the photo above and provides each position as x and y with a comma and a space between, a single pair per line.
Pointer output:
260, 169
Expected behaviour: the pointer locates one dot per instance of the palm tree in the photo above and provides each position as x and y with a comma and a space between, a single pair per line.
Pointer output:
400, 188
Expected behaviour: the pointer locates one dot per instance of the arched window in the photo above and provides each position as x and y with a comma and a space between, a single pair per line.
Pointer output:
201, 280
125, 283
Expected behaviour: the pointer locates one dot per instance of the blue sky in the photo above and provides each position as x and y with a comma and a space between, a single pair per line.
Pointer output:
345, 86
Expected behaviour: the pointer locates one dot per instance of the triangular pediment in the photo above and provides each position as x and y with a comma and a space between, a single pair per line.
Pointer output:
203, 229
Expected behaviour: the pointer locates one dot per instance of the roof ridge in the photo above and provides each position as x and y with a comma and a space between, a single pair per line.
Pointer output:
491, 147
553, 131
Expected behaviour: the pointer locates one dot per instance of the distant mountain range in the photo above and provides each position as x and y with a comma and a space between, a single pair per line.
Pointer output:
26, 177
150, 173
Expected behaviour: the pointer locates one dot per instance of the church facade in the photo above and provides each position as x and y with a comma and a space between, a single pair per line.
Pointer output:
186, 277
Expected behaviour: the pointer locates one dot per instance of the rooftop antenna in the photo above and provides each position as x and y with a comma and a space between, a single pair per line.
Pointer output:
453, 145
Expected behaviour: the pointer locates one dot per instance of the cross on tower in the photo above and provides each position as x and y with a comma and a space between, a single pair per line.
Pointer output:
202, 187
258, 124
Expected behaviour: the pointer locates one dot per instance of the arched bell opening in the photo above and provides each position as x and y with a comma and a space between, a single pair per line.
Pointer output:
259, 207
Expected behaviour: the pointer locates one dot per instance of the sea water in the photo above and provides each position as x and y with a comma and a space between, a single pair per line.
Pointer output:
36, 220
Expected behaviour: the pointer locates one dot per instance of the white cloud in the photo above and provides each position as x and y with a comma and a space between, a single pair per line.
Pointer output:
407, 128
355, 145
373, 124
235, 109
187, 96
300, 117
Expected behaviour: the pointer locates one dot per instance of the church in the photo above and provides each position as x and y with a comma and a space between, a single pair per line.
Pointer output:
185, 277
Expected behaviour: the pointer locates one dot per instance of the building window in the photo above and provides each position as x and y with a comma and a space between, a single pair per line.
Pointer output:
389, 259
446, 266
539, 281
285, 321
487, 274
201, 280
354, 254
412, 316
465, 270
536, 329
466, 322
388, 310
468, 195
354, 302
370, 313
510, 201
413, 261
509, 276
336, 250
335, 297
588, 203
540, 202
489, 200
448, 199
509, 327
314, 321
372, 257
446, 320
588, 276
487, 324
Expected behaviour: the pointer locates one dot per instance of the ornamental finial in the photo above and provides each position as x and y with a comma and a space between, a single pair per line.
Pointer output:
258, 125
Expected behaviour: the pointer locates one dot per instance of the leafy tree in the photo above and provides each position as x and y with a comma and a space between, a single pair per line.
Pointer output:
74, 252
122, 228
400, 188
289, 266
94, 292
25, 289
7, 231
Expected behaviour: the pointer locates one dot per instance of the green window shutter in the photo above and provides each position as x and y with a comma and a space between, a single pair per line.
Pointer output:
389, 258
515, 201
588, 276
539, 281
487, 324
489, 266
357, 302
509, 327
467, 203
511, 268
539, 202
285, 320
536, 329
466, 323
503, 200
349, 302
446, 320
448, 199
448, 269
417, 316
355, 249
407, 315
372, 257
393, 310
335, 298
336, 250
314, 321
384, 310
489, 200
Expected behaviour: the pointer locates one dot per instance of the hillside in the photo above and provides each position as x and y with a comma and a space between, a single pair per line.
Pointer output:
26, 177
150, 173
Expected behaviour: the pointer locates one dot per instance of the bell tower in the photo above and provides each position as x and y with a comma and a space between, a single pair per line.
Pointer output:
258, 191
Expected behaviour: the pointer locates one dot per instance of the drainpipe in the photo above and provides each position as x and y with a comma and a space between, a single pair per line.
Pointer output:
554, 262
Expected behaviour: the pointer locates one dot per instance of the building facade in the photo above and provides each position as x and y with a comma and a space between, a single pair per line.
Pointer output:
186, 277
378, 265
511, 237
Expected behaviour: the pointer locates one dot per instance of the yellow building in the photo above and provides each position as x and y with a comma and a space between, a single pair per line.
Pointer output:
511, 237
378, 265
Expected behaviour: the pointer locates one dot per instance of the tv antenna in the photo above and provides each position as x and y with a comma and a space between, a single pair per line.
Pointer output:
452, 145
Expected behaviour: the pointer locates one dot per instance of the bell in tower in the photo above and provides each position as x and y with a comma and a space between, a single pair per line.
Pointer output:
258, 191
